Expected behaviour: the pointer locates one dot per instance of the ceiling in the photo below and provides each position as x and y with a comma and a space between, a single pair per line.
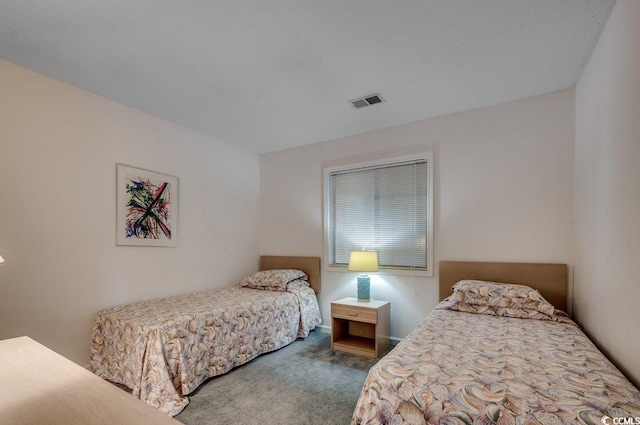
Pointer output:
267, 75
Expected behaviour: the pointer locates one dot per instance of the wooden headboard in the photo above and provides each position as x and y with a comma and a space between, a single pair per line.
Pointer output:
550, 279
309, 265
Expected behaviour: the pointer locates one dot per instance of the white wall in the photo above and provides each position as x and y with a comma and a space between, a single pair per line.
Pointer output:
58, 150
503, 192
607, 191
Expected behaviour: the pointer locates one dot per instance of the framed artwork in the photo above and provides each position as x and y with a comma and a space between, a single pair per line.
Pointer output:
147, 207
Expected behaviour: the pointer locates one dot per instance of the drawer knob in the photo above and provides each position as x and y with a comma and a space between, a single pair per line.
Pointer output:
353, 314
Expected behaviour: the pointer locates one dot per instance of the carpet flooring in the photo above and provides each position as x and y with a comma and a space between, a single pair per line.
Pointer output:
303, 383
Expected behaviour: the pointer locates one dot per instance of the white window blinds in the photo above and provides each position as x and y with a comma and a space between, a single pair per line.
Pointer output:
382, 207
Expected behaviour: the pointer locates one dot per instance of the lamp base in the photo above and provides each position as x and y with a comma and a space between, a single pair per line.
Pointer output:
363, 288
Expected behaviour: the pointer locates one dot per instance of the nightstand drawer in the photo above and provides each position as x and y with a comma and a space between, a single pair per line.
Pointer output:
354, 313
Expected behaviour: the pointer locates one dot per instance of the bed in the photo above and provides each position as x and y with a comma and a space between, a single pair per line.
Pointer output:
497, 354
164, 349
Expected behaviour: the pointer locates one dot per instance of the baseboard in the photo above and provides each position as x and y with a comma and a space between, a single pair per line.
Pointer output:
324, 329
327, 330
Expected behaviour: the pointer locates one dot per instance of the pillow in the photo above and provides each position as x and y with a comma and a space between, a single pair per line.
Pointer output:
272, 280
501, 299
518, 313
297, 284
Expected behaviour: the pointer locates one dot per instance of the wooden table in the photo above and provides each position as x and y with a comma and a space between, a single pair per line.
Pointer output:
360, 327
39, 386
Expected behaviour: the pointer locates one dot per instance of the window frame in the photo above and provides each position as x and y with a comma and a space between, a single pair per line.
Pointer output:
327, 171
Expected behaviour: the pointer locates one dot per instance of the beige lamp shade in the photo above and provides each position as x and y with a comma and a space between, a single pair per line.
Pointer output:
1, 259
363, 261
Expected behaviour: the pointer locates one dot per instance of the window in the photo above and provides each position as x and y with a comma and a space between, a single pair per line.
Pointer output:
383, 206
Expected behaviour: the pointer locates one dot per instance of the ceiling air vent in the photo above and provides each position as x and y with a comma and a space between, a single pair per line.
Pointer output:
371, 99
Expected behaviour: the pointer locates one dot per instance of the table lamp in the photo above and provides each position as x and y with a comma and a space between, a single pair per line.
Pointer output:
363, 261
1, 259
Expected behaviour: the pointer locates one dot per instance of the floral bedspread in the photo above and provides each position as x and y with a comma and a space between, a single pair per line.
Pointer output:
464, 368
163, 349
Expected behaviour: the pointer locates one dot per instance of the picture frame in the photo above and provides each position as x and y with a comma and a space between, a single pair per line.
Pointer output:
146, 207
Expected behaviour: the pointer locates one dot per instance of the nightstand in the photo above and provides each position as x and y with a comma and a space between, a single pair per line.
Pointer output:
360, 327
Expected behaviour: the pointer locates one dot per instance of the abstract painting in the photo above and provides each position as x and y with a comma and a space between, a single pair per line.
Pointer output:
147, 211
